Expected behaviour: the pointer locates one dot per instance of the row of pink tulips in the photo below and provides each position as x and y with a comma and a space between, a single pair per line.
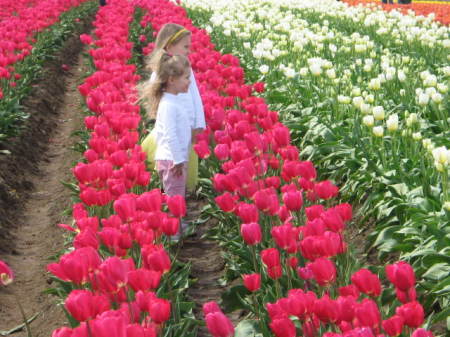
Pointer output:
279, 201
118, 260
17, 34
13, 7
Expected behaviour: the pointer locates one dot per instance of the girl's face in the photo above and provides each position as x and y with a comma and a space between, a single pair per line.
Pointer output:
178, 85
182, 47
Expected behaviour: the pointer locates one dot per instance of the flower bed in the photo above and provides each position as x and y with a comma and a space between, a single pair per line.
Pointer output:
29, 39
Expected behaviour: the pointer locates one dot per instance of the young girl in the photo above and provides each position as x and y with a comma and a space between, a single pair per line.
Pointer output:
176, 40
173, 127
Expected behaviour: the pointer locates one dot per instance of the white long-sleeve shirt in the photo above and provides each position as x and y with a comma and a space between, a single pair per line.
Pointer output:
172, 130
192, 103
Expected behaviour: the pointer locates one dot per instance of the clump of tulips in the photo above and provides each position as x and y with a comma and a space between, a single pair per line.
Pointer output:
294, 252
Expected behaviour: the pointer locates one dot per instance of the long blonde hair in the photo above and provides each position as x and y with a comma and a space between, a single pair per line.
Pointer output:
169, 34
169, 66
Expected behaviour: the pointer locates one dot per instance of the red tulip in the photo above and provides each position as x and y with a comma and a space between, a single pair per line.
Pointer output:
270, 257
150, 201
325, 189
170, 226
144, 279
346, 306
226, 202
177, 205
285, 236
332, 220
324, 271
406, 296
219, 325
393, 326
368, 314
275, 272
251, 233
422, 333
252, 281
156, 258
350, 290
326, 309
293, 200
314, 211
202, 149
412, 313
76, 265
401, 274
222, 151
247, 212
258, 86
367, 282
283, 327
159, 310
345, 211
210, 307
6, 274
84, 305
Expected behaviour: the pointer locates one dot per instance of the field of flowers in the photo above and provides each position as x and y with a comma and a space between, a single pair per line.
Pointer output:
366, 103
311, 107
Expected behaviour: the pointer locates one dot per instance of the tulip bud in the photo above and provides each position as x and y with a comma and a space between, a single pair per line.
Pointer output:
422, 333
219, 325
412, 313
393, 326
251, 233
252, 281
283, 327
401, 274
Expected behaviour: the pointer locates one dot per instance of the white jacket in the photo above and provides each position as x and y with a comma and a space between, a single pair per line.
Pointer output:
172, 130
192, 103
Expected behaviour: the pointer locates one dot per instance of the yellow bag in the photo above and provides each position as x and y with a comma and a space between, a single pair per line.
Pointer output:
149, 147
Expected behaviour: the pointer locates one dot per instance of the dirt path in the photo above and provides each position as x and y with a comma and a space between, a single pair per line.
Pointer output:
36, 236
208, 266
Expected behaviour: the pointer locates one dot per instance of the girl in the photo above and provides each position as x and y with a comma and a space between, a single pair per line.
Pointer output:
176, 40
173, 127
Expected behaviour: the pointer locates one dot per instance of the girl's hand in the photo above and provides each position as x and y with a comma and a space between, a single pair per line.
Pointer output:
177, 169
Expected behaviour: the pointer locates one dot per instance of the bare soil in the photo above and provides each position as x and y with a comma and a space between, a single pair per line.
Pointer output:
32, 197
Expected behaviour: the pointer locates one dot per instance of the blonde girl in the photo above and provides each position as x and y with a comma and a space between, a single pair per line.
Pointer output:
173, 126
174, 39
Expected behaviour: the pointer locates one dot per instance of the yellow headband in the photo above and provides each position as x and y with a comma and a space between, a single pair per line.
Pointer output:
175, 36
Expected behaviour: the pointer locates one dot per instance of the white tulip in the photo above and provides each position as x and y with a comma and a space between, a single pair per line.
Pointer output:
378, 112
402, 92
436, 98
368, 120
423, 99
264, 69
344, 99
331, 73
401, 76
365, 108
357, 101
315, 69
417, 136
392, 123
370, 98
443, 89
303, 72
440, 155
378, 131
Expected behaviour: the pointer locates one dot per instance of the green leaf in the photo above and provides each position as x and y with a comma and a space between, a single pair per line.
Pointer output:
232, 299
438, 271
444, 314
247, 328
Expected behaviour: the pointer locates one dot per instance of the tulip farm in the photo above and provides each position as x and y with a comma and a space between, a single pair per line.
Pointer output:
322, 207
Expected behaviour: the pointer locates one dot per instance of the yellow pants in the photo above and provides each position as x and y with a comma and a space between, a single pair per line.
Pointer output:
149, 147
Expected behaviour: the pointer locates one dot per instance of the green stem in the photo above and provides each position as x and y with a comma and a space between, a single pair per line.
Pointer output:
24, 317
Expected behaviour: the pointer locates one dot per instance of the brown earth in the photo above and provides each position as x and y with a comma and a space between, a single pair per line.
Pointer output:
32, 197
